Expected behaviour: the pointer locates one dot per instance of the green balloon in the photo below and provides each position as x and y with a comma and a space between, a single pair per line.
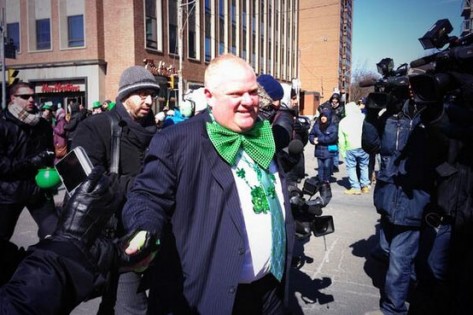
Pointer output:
47, 178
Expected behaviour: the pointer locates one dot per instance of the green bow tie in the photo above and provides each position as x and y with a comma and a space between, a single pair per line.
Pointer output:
258, 142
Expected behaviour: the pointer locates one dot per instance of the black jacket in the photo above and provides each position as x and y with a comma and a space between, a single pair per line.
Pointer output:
405, 180
54, 278
71, 126
18, 143
94, 135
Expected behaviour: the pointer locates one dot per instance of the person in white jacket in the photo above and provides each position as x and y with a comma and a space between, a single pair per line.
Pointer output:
349, 141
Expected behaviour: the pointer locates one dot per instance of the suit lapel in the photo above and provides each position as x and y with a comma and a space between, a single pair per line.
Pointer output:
222, 173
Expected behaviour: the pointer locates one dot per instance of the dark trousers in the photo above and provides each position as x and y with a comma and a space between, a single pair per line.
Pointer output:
263, 296
41, 209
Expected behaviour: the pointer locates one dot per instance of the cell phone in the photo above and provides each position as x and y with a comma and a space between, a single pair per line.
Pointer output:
74, 168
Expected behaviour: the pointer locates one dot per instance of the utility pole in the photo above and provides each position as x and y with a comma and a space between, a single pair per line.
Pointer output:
180, 32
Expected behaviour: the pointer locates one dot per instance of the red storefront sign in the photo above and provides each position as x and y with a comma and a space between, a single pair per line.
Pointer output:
59, 88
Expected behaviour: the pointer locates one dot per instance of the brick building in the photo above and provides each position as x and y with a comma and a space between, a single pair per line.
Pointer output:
75, 50
466, 13
325, 41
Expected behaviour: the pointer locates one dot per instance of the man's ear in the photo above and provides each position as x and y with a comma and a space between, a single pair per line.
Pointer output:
208, 96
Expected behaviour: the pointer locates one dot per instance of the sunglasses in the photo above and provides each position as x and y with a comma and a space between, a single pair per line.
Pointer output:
24, 96
144, 94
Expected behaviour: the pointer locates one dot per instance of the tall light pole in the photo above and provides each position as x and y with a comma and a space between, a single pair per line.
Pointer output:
180, 34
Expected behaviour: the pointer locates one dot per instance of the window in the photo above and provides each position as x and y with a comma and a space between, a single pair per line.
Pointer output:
221, 27
234, 31
13, 34
75, 31
173, 49
208, 38
243, 31
151, 24
191, 30
43, 34
71, 22
153, 28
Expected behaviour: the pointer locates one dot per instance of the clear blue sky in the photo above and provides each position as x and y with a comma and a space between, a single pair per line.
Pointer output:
391, 29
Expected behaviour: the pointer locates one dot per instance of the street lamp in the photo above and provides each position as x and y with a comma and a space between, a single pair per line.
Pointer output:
180, 32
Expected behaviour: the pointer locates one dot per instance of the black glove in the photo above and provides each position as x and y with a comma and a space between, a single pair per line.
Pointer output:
89, 208
43, 159
146, 244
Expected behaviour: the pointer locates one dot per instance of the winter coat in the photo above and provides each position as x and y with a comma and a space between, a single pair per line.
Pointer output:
59, 134
325, 136
174, 119
337, 113
18, 143
71, 126
53, 278
282, 124
350, 129
408, 157
94, 135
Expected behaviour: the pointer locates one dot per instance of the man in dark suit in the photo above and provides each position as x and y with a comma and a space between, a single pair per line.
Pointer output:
212, 192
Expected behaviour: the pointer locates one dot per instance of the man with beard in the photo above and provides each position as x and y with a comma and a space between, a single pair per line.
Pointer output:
131, 125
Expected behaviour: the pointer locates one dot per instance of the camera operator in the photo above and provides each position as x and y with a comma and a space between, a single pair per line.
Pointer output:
282, 120
450, 279
444, 90
403, 188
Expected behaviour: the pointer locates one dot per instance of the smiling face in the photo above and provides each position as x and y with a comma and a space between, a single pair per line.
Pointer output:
232, 93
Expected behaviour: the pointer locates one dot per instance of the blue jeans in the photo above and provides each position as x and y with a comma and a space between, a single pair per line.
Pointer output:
324, 169
335, 158
403, 247
439, 255
354, 157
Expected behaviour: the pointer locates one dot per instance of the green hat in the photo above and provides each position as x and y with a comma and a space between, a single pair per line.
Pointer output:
111, 105
47, 105
96, 104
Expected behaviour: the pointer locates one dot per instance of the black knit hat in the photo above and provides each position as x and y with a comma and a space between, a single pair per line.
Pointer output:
136, 78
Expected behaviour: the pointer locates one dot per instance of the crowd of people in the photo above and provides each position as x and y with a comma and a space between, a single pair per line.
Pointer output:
188, 211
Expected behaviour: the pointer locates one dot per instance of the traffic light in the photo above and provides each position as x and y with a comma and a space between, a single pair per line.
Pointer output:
173, 81
12, 76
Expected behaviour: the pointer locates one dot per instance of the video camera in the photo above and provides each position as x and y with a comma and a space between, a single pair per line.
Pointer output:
447, 72
391, 89
308, 212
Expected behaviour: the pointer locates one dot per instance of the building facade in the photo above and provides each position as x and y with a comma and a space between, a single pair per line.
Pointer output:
75, 50
325, 45
467, 26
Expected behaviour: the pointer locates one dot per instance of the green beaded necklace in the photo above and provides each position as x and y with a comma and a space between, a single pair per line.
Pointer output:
259, 196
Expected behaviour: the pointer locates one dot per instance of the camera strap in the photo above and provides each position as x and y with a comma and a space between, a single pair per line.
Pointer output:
116, 132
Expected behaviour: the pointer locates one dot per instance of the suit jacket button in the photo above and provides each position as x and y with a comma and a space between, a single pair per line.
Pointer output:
241, 251
232, 290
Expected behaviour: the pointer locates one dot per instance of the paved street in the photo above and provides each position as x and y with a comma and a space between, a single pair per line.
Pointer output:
337, 276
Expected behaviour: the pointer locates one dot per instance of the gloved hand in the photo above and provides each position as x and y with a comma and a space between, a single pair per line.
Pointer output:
137, 250
89, 208
43, 159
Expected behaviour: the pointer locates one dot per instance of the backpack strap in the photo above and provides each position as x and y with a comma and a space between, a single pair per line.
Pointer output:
116, 132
